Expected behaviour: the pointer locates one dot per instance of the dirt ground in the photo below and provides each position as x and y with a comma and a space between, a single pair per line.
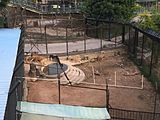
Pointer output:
109, 66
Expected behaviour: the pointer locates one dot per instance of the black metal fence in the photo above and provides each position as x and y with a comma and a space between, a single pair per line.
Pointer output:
143, 49
71, 36
120, 114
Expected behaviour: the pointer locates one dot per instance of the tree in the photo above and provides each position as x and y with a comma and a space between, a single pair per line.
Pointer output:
3, 10
121, 10
3, 3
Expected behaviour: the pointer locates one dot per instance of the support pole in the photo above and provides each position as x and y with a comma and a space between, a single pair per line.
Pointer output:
142, 81
151, 63
109, 30
142, 51
94, 79
123, 33
41, 18
67, 41
86, 27
155, 101
107, 95
101, 42
135, 43
59, 85
85, 47
97, 30
115, 78
46, 41
115, 40
129, 37
59, 91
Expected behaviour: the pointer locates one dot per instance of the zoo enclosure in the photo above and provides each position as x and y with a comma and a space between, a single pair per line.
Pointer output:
142, 47
72, 36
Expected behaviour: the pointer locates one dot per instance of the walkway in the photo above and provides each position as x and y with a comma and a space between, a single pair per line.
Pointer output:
72, 46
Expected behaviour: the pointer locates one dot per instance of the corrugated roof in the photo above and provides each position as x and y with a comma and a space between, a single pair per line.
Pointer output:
64, 111
9, 39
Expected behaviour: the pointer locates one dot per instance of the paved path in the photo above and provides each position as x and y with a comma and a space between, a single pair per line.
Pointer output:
72, 46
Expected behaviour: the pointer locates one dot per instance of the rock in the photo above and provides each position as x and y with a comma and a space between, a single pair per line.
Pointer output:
102, 52
93, 60
97, 73
84, 57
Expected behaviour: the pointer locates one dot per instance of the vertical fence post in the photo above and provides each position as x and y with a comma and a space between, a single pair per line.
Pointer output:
97, 30
86, 27
45, 29
115, 39
59, 84
17, 98
155, 101
85, 34
85, 41
107, 95
123, 33
109, 30
135, 42
129, 37
142, 50
59, 90
101, 44
56, 25
151, 63
67, 41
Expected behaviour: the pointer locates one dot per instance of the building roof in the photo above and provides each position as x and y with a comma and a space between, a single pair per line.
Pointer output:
9, 39
38, 110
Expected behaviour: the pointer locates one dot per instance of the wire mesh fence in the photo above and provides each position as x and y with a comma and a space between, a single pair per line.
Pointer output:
120, 114
143, 49
67, 36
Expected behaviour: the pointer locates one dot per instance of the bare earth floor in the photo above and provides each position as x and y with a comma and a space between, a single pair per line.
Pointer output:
124, 79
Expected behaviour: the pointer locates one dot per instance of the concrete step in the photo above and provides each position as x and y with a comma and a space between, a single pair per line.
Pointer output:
75, 75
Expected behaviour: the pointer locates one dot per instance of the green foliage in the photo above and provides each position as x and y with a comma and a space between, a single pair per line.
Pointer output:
3, 3
156, 20
149, 20
146, 21
121, 10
